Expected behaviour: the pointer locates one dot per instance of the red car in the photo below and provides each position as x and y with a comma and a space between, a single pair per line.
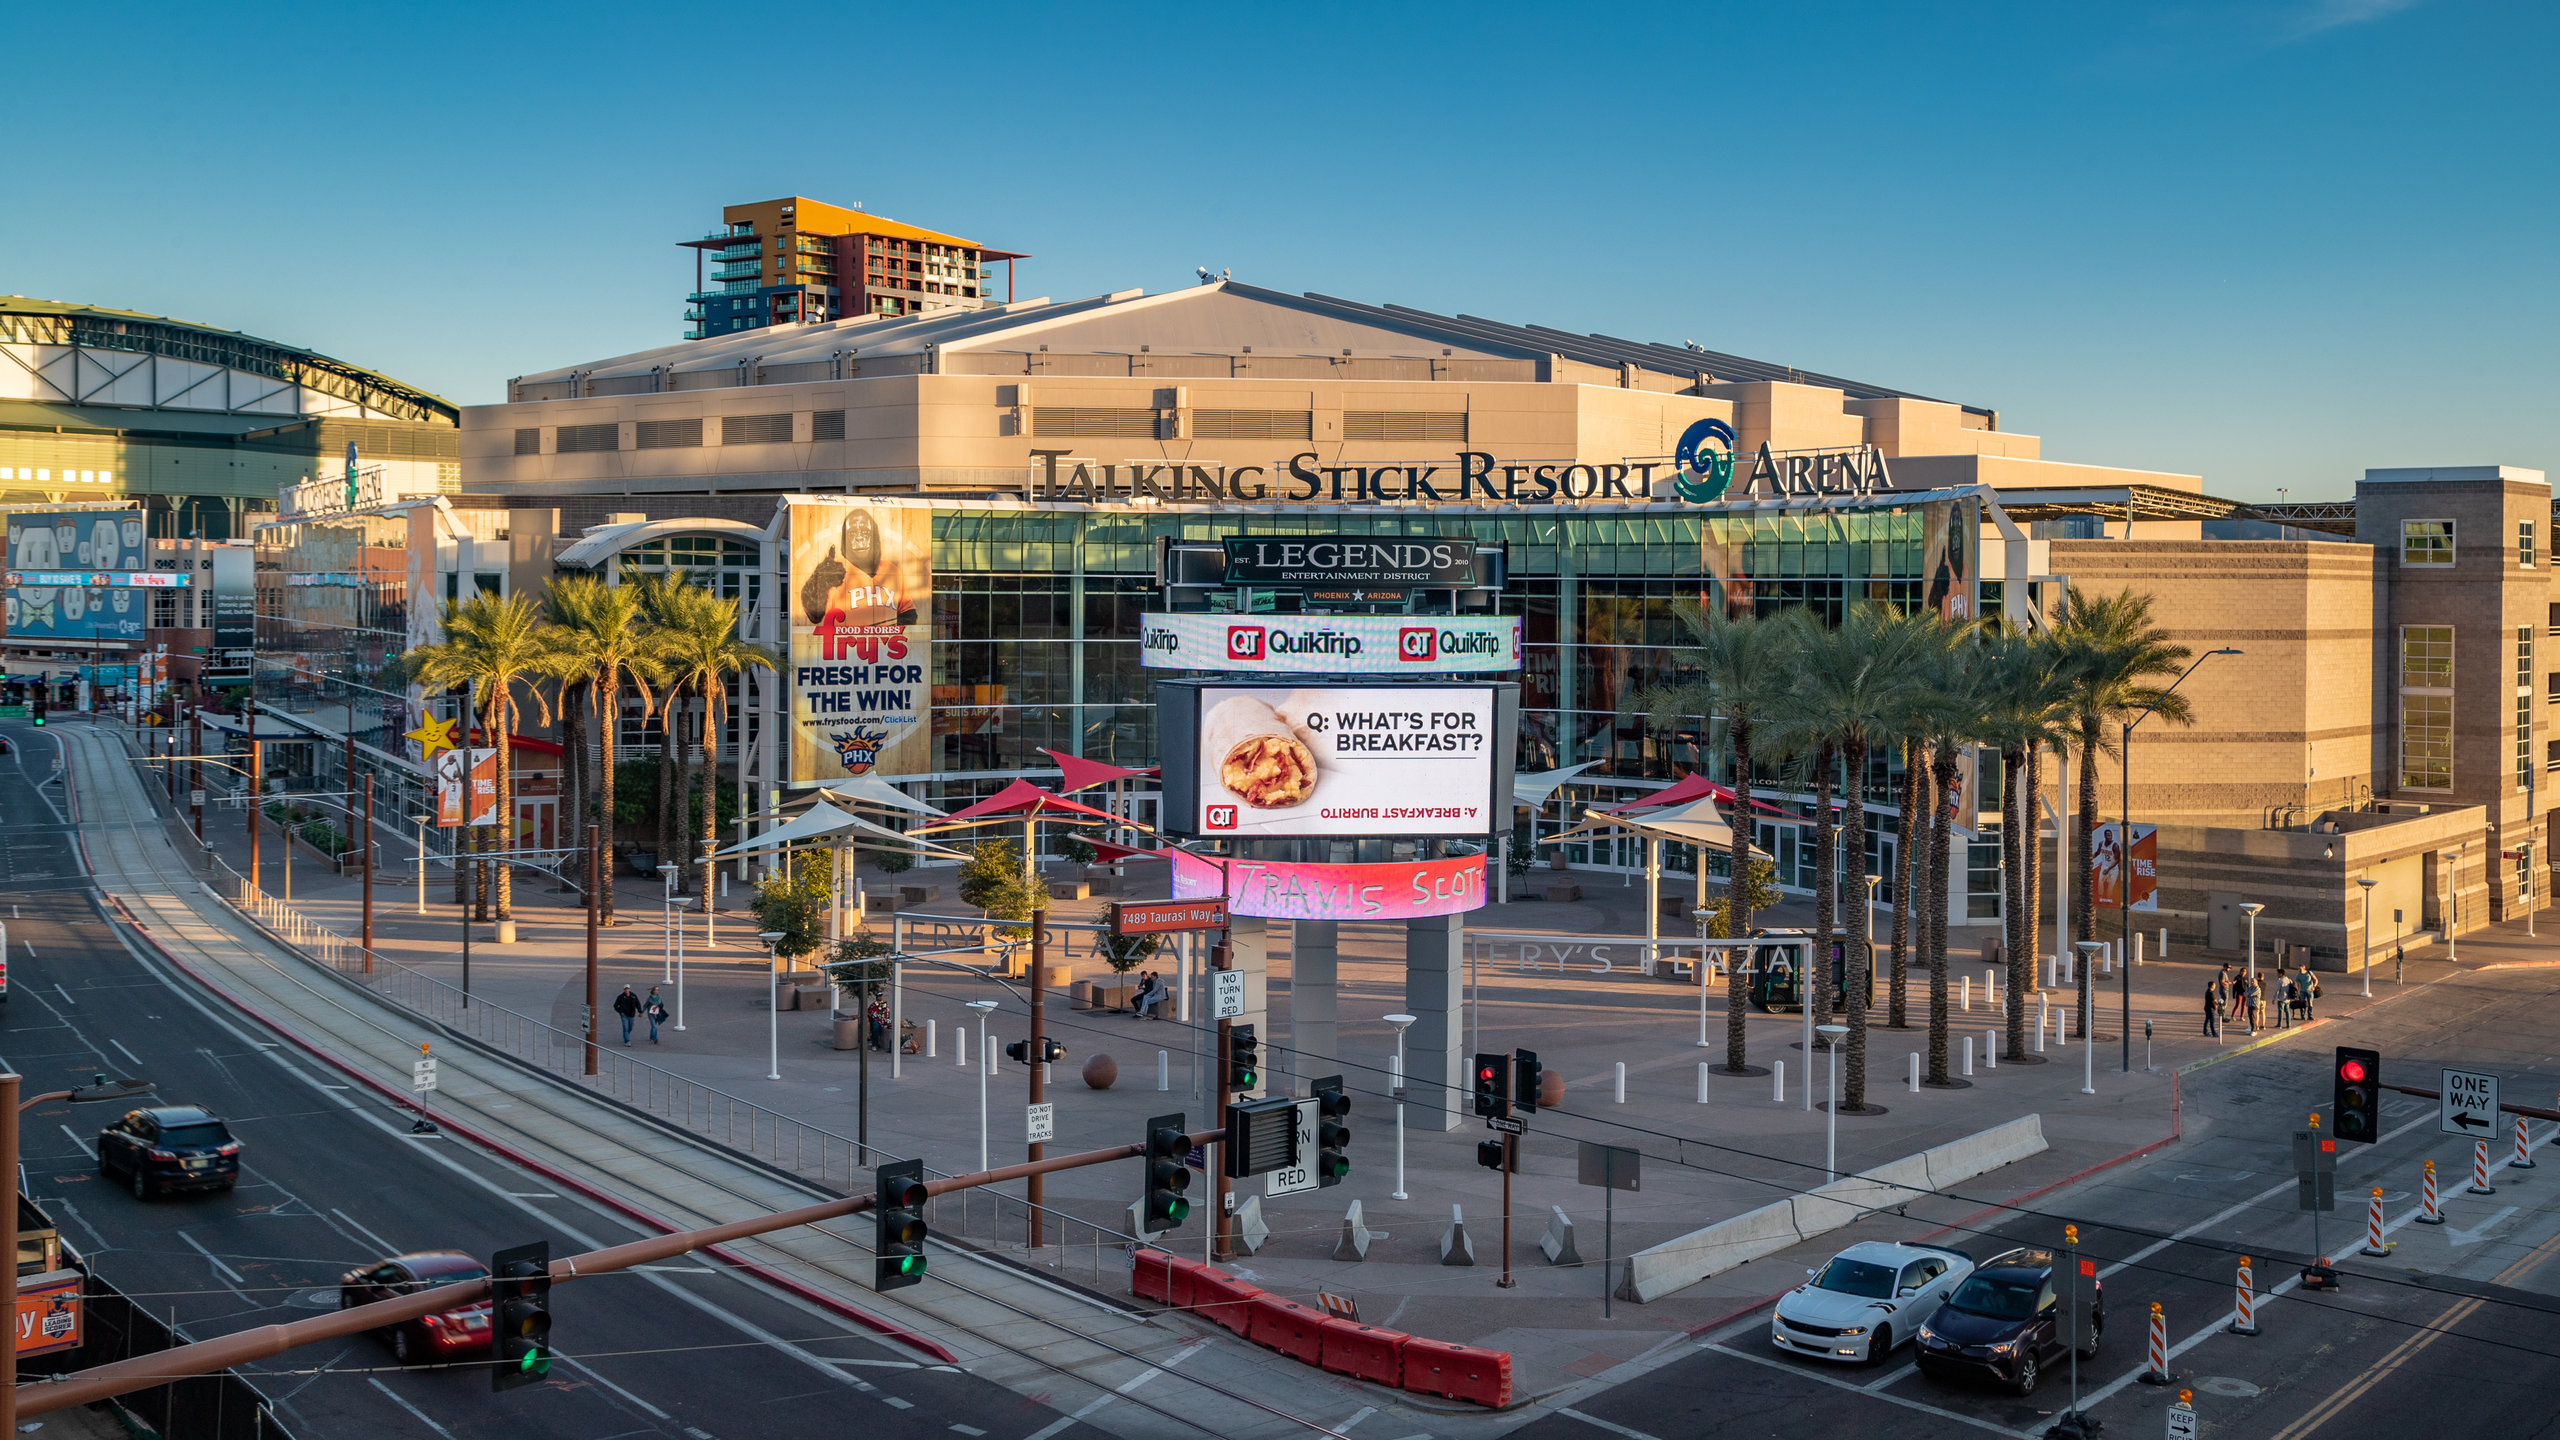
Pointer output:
461, 1330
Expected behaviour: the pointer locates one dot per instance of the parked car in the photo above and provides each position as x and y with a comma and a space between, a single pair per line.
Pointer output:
169, 1148
2004, 1323
464, 1329
1868, 1299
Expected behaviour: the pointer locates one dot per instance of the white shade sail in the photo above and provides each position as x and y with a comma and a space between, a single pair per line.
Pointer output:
824, 820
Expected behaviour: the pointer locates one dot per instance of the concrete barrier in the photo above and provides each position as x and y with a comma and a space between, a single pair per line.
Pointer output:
1678, 1263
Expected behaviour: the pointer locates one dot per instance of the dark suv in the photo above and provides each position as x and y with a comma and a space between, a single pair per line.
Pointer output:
173, 1147
2004, 1323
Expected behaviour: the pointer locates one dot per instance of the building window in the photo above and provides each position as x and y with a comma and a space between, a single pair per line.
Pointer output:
1441, 425
669, 434
2426, 657
1093, 421
2426, 542
826, 425
2426, 742
1252, 425
755, 429
2524, 542
584, 439
529, 442
2524, 706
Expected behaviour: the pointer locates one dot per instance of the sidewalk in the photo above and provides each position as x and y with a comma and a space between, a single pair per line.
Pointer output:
1703, 1163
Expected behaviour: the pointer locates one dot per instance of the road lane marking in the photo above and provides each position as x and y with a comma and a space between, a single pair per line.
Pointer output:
1363, 1413
221, 1269
574, 1363
1610, 1426
405, 1405
388, 1249
129, 1055
1909, 1404
81, 1145
1141, 1378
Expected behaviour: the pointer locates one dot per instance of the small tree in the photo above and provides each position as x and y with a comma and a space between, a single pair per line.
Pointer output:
1759, 886
993, 881
1077, 852
894, 862
793, 900
859, 962
1123, 952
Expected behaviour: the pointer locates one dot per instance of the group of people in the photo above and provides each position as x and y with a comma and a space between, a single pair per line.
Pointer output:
1150, 996
2245, 998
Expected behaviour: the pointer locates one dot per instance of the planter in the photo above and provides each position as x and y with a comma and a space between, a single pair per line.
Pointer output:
643, 862
848, 1032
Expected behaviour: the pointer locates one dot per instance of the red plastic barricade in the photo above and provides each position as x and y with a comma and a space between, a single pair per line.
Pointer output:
1461, 1372
1222, 1299
1363, 1352
1151, 1275
1180, 1276
1294, 1330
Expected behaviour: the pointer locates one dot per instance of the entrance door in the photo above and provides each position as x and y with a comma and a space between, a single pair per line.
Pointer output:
2222, 922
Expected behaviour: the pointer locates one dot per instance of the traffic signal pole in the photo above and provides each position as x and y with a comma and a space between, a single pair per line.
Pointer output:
1510, 1159
1221, 957
1038, 1054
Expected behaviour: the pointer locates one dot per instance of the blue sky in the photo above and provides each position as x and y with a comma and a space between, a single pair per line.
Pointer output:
2273, 242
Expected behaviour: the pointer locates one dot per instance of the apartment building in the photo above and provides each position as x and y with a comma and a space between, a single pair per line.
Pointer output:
799, 261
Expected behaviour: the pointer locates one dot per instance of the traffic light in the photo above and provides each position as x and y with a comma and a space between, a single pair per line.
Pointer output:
1526, 1076
2359, 1094
1489, 1154
1493, 1086
1262, 1136
899, 1231
39, 705
1333, 1135
1244, 1058
1168, 1174
1019, 1052
520, 1315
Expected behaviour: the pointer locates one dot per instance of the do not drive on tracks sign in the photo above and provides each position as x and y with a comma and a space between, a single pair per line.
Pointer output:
2470, 1104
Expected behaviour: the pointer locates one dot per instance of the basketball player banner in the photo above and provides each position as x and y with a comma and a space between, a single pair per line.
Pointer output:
861, 665
2113, 866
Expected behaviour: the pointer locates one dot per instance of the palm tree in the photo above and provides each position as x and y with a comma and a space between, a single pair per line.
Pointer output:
1857, 684
494, 642
602, 636
1735, 669
702, 650
660, 599
2113, 651
2028, 695
1951, 716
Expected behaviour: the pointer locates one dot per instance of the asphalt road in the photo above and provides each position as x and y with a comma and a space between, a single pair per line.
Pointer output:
2453, 1328
332, 1179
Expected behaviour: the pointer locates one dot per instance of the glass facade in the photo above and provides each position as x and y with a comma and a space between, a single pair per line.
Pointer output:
333, 620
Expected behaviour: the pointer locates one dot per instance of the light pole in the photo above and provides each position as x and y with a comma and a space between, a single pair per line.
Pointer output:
422, 822
2251, 910
772, 1002
670, 871
1702, 915
1831, 1037
2088, 1050
1396, 1088
2124, 850
986, 1062
2367, 966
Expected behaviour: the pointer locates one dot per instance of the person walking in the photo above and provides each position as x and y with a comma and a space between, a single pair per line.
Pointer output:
2213, 1007
2283, 996
656, 1009
2310, 993
626, 1005
2257, 1003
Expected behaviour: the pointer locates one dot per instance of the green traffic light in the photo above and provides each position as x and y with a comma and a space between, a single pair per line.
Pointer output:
910, 1264
536, 1361
1179, 1210
1246, 1079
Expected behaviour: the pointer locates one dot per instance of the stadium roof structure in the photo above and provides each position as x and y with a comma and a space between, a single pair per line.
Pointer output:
26, 321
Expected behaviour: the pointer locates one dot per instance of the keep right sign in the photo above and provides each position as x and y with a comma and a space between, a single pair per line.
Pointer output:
2470, 1104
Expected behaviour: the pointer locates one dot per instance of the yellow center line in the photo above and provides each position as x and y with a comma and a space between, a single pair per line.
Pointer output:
2407, 1350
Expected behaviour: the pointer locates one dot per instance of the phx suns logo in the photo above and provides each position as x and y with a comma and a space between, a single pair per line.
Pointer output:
860, 750
1705, 462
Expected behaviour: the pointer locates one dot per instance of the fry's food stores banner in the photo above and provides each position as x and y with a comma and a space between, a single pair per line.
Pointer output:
860, 592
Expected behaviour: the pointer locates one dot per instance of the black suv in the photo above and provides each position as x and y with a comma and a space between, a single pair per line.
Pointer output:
172, 1147
2004, 1322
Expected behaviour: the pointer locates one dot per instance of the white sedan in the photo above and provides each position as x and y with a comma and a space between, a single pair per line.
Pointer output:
1868, 1299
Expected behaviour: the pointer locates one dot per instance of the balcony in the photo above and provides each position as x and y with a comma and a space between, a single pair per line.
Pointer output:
747, 271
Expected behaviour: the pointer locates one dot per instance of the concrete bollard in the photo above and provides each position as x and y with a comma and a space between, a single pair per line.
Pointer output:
1990, 1050
1915, 1066
1620, 1089
1778, 1081
2044, 1018
1164, 1070
960, 1046
1354, 1244
2062, 1029
2164, 942
1455, 1247
1968, 1056
1991, 988
2138, 938
1964, 992
1702, 1082
1557, 1243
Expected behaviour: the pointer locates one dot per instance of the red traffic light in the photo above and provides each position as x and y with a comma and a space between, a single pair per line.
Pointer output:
2351, 1070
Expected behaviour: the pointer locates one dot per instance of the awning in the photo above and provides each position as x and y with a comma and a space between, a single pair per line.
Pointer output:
1691, 786
823, 820
1081, 774
1700, 822
872, 790
1540, 786
1022, 800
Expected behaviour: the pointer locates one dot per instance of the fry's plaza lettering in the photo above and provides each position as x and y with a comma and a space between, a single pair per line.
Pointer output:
1476, 477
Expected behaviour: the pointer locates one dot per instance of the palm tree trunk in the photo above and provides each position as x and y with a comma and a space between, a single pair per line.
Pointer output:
2017, 837
573, 771
2084, 918
608, 722
1943, 772
1737, 910
2022, 966
670, 762
1861, 966
710, 780
506, 880
1825, 882
1906, 827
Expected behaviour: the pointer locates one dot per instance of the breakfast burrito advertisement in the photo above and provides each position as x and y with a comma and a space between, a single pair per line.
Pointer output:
1327, 760
861, 597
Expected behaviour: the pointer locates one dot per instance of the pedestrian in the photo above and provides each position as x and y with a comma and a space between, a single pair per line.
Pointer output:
2257, 1003
2283, 995
2237, 987
2398, 954
2213, 1007
1146, 993
626, 1005
656, 1009
2310, 993
879, 1016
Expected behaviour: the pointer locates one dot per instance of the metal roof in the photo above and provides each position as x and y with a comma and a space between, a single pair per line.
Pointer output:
57, 322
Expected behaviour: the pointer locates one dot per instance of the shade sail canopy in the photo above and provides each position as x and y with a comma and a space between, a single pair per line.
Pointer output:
1539, 786
1691, 786
824, 821
1078, 773
872, 790
1700, 822
1023, 800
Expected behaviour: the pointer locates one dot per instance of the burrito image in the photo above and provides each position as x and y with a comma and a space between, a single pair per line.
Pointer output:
1261, 759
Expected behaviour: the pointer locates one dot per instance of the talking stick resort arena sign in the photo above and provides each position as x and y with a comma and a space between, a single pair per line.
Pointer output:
861, 589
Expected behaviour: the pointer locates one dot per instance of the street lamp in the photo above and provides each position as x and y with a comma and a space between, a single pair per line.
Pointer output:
422, 822
772, 1001
2251, 910
986, 1062
1396, 1088
2088, 1049
2367, 966
1831, 1037
1702, 915
2124, 849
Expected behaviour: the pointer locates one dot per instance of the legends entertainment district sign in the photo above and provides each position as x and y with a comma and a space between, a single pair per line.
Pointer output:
1474, 477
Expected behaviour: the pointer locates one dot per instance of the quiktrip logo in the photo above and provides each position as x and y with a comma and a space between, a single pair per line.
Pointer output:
1417, 642
1218, 817
1705, 462
1244, 642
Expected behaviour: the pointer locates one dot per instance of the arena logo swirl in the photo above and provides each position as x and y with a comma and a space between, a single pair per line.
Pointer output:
1705, 462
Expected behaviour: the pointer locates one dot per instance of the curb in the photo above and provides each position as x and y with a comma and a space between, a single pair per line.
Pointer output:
513, 1156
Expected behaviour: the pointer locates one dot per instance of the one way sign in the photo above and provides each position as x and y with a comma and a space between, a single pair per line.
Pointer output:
2470, 1104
